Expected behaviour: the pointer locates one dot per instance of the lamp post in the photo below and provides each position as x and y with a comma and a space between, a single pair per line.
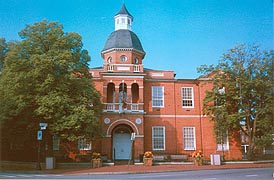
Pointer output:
43, 126
221, 92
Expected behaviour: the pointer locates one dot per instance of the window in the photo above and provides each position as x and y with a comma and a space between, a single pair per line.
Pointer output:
109, 60
55, 143
189, 138
157, 96
83, 144
187, 97
222, 141
123, 58
158, 138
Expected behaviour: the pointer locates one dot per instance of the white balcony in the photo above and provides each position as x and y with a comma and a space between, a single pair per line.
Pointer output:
136, 68
128, 108
110, 68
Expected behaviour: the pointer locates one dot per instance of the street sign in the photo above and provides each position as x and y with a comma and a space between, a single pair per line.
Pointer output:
39, 135
43, 126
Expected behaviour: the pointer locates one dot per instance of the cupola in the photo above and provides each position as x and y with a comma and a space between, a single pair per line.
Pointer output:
123, 19
123, 51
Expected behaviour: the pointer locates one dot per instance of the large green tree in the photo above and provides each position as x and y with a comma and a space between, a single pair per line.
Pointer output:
3, 51
45, 78
243, 94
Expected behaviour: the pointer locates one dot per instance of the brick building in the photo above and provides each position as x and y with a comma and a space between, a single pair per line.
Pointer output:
164, 113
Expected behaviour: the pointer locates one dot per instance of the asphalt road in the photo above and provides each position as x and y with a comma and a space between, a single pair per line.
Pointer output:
227, 174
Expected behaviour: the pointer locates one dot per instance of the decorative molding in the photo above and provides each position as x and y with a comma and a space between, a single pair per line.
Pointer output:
173, 116
122, 120
125, 77
158, 74
136, 136
126, 68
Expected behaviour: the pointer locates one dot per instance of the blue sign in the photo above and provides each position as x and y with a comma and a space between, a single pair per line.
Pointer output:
39, 135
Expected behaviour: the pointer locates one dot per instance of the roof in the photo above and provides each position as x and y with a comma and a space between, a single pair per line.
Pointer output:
123, 39
123, 10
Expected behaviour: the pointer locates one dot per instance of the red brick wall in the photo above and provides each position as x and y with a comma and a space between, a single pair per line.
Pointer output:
173, 116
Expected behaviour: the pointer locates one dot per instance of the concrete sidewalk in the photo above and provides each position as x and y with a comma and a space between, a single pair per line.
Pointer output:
125, 169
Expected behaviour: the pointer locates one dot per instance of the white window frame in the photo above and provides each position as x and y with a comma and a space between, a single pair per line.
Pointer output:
155, 146
187, 97
55, 143
156, 98
84, 145
225, 145
189, 139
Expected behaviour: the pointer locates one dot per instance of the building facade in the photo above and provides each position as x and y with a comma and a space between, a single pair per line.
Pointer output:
151, 110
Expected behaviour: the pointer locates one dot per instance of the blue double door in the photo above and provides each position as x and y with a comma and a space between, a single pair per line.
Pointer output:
121, 146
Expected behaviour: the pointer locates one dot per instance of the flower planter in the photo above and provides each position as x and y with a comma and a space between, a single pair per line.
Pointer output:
148, 161
198, 162
96, 163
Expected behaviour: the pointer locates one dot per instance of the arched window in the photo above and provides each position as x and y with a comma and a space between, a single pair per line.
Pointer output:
122, 96
135, 92
110, 93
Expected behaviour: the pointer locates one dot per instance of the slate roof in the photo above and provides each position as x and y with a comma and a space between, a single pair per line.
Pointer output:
123, 39
124, 10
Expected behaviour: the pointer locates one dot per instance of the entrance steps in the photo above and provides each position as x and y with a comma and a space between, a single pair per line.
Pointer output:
122, 162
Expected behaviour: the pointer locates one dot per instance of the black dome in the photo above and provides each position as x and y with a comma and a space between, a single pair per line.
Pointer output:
123, 39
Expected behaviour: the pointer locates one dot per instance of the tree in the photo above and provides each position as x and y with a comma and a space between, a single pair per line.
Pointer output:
3, 51
246, 75
45, 78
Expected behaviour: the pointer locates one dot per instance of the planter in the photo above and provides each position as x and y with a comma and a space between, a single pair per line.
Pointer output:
96, 163
148, 161
198, 162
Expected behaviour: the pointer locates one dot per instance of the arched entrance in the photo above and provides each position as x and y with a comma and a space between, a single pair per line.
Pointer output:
122, 142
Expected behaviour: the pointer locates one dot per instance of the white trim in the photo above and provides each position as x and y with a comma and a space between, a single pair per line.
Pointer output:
123, 120
124, 77
120, 68
157, 74
224, 146
192, 97
194, 134
173, 116
136, 136
163, 97
164, 138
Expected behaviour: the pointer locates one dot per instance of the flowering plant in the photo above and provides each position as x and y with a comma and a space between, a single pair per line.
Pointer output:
198, 155
96, 155
148, 154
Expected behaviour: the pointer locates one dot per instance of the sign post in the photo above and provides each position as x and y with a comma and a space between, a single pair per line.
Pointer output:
43, 126
132, 138
39, 138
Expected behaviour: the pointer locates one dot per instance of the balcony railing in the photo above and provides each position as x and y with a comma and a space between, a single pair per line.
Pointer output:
136, 68
110, 68
126, 108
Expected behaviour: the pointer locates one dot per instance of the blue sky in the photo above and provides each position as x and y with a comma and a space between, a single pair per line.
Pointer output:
177, 35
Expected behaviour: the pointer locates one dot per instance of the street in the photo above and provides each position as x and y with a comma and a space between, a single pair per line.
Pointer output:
235, 174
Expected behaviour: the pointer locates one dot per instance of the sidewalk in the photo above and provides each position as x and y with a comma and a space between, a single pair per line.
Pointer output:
125, 169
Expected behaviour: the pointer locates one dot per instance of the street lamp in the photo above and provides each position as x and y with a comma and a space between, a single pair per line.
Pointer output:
43, 126
221, 92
